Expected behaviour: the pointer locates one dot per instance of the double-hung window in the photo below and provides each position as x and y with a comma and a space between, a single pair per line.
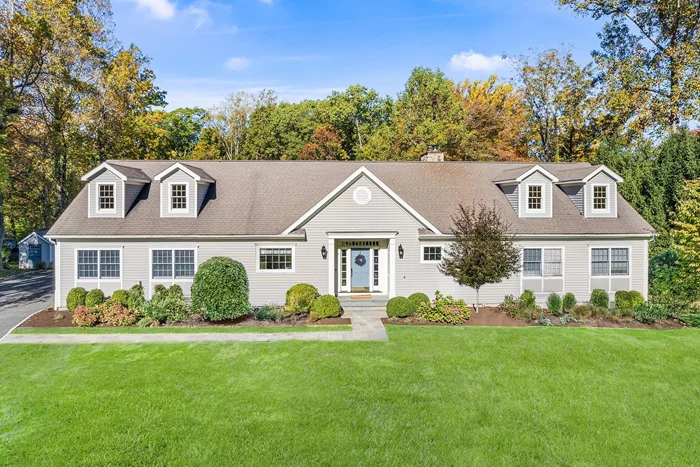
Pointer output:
534, 198
432, 254
600, 198
276, 259
610, 261
105, 197
99, 264
178, 197
172, 264
542, 262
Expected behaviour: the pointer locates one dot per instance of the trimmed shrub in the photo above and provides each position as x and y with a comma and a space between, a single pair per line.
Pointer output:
94, 297
600, 299
220, 289
136, 297
83, 316
518, 309
418, 298
554, 304
175, 292
325, 306
587, 311
569, 302
400, 307
121, 296
636, 298
528, 298
623, 303
76, 298
118, 315
269, 312
444, 309
160, 289
300, 298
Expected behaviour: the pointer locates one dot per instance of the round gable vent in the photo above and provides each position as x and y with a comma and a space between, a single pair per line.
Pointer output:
362, 195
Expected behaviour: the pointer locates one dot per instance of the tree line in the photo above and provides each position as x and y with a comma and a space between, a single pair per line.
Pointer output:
72, 96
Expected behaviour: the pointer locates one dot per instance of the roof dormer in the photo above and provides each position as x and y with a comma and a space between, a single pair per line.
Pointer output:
182, 190
593, 190
112, 189
528, 189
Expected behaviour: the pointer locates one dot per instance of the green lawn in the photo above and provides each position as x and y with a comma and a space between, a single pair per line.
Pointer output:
182, 329
428, 396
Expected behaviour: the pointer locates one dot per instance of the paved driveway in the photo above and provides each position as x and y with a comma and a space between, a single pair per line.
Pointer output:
23, 296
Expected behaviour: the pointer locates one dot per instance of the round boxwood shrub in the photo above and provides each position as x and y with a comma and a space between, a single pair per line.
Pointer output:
175, 292
400, 307
94, 297
121, 297
300, 298
636, 298
569, 302
600, 299
554, 304
160, 289
220, 289
76, 298
418, 298
528, 298
325, 306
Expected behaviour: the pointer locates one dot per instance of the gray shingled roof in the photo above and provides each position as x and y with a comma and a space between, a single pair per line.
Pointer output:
130, 173
266, 197
576, 174
199, 171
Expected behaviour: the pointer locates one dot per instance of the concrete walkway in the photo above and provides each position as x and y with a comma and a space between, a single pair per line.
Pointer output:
366, 326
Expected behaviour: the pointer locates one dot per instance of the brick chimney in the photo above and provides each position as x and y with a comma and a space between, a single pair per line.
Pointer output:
433, 155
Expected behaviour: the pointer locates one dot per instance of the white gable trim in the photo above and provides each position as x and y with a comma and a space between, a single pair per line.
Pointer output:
539, 169
179, 166
607, 172
105, 166
344, 185
34, 234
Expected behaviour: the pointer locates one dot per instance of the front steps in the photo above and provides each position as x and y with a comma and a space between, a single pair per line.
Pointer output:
374, 307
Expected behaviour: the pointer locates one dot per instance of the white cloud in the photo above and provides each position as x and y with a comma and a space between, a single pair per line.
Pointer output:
472, 61
200, 14
237, 63
160, 9
269, 2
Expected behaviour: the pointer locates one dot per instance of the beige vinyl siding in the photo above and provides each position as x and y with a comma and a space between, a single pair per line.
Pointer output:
106, 177
131, 192
575, 194
178, 177
536, 178
512, 193
601, 179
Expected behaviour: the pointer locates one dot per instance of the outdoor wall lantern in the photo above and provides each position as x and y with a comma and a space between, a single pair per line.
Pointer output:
324, 252
400, 251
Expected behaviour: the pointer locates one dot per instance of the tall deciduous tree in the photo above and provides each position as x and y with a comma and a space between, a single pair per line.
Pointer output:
686, 233
483, 251
562, 107
325, 144
650, 57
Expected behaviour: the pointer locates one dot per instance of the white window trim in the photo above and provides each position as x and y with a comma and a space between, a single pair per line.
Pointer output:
97, 198
260, 246
607, 198
610, 275
170, 198
542, 277
527, 199
172, 278
423, 246
97, 279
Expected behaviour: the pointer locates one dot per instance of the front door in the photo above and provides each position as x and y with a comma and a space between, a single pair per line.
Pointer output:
360, 270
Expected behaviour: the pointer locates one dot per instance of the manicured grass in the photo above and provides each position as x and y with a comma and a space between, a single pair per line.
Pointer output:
428, 396
181, 329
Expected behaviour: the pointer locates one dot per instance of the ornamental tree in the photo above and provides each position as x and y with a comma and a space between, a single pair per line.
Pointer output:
483, 251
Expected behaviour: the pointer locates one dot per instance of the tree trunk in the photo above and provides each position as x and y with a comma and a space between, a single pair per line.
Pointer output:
477, 300
2, 230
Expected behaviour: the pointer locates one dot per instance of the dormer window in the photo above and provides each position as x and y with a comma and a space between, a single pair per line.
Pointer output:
534, 198
600, 198
105, 197
178, 197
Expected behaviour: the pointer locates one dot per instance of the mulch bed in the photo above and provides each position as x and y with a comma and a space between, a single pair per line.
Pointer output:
51, 318
492, 316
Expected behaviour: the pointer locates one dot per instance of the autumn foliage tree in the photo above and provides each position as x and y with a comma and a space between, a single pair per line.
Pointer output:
686, 234
325, 144
483, 251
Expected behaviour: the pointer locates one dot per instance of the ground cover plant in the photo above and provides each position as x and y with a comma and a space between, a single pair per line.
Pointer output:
428, 396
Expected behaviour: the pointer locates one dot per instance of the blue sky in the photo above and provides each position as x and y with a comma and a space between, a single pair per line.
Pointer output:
203, 50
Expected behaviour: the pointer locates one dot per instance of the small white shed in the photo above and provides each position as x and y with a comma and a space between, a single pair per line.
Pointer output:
35, 248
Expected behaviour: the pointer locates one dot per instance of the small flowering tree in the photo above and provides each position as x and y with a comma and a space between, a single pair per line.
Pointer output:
483, 251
